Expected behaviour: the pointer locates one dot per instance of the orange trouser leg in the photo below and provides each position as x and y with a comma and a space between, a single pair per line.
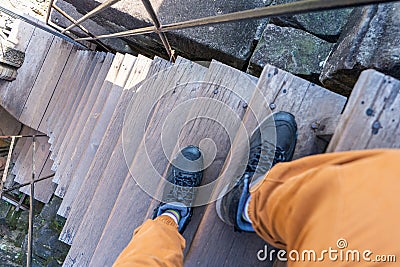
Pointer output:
311, 203
155, 243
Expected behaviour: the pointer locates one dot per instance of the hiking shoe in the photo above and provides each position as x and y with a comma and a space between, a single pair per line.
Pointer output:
263, 155
184, 175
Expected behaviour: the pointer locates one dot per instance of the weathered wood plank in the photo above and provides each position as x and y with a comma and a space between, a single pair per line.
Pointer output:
68, 95
17, 92
21, 149
20, 143
85, 107
19, 39
309, 103
122, 229
67, 92
104, 152
20, 36
79, 103
54, 102
77, 167
73, 101
24, 174
109, 179
371, 118
91, 112
45, 83
43, 189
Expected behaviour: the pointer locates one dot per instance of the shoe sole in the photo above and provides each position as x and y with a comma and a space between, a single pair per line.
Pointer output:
218, 204
225, 190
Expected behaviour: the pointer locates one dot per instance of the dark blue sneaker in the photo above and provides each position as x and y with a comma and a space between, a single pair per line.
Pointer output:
273, 141
184, 175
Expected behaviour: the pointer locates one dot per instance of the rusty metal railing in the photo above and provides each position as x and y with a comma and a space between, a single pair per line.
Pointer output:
293, 8
31, 183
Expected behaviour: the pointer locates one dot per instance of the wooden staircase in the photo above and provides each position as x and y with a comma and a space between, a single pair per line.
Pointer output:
80, 100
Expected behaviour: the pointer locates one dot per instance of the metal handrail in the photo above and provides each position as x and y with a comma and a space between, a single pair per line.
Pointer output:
71, 19
49, 11
157, 24
294, 8
95, 11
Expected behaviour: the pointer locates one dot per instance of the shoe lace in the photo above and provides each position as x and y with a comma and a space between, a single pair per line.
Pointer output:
184, 187
280, 155
262, 158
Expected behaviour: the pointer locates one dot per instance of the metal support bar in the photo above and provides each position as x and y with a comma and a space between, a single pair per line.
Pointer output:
13, 201
91, 13
25, 184
18, 207
71, 19
21, 136
40, 25
157, 24
294, 8
31, 207
5, 173
49, 11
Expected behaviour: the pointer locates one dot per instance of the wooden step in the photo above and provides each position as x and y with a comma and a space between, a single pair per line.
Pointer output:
106, 148
103, 154
20, 143
80, 101
26, 144
85, 107
97, 98
15, 95
24, 174
107, 167
45, 83
93, 112
310, 104
73, 101
69, 92
371, 118
44, 190
60, 90
131, 201
18, 39
75, 169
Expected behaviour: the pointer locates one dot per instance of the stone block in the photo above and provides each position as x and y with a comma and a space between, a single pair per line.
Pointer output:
231, 43
326, 24
371, 40
7, 72
290, 49
11, 56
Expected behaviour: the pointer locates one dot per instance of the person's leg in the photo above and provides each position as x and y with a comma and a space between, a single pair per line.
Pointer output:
311, 203
155, 243
159, 242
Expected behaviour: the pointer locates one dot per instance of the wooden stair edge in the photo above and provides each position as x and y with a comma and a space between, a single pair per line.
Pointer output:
107, 144
70, 123
370, 119
102, 119
152, 84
